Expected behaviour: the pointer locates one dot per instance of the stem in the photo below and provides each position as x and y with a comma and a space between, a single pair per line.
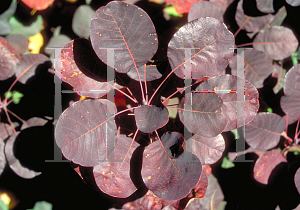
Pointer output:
297, 128
9, 89
236, 33
283, 134
10, 122
23, 121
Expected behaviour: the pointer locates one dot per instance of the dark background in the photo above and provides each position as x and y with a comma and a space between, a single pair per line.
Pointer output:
60, 185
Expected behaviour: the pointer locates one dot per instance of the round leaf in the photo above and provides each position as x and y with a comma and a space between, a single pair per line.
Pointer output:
265, 165
169, 177
205, 117
83, 129
150, 118
205, 9
113, 177
277, 42
290, 103
258, 66
146, 73
297, 180
81, 20
9, 59
248, 23
208, 150
263, 132
294, 3
211, 46
79, 66
223, 85
265, 6
127, 29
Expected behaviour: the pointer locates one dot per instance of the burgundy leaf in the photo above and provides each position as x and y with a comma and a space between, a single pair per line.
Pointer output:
258, 66
205, 9
9, 59
126, 28
146, 73
294, 3
297, 180
223, 85
205, 117
167, 176
277, 42
29, 63
222, 4
212, 198
113, 177
148, 201
150, 118
211, 46
14, 163
208, 150
79, 66
263, 132
2, 156
34, 121
82, 130
248, 23
265, 165
265, 6
201, 187
19, 42
290, 103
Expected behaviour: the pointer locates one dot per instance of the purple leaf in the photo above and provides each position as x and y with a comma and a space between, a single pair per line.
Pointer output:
9, 59
14, 163
277, 42
222, 4
263, 132
170, 177
148, 201
29, 63
147, 73
205, 9
204, 117
248, 23
150, 118
208, 150
82, 130
113, 177
34, 121
258, 66
265, 165
212, 198
297, 180
290, 103
126, 28
265, 6
294, 3
250, 104
79, 66
19, 42
211, 47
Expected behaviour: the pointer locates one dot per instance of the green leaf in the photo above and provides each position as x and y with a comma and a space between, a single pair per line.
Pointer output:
295, 58
235, 133
171, 11
3, 206
8, 94
10, 11
296, 152
42, 205
81, 20
17, 97
19, 28
227, 163
88, 1
270, 110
